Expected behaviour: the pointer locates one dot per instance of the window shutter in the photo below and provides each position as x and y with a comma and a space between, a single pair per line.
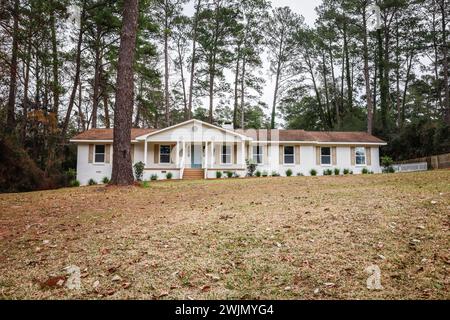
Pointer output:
91, 153
368, 156
107, 153
132, 153
156, 153
334, 155
235, 154
318, 156
281, 154
173, 152
217, 148
353, 156
297, 154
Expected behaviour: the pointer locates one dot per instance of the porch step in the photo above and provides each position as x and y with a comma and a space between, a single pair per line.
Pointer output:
193, 174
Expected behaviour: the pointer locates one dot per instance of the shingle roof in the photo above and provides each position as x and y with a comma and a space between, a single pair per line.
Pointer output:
259, 135
310, 136
107, 134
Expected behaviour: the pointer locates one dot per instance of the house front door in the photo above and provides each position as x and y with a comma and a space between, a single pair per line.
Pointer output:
196, 156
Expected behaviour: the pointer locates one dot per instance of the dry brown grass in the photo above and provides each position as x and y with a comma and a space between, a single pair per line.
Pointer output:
275, 238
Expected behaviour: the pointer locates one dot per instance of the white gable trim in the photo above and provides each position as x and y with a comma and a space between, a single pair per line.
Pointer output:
144, 137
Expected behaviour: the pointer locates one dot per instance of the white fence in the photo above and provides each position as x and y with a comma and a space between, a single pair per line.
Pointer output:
411, 167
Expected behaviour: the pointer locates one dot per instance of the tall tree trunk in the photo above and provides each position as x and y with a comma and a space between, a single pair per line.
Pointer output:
194, 44
166, 65
10, 116
80, 110
183, 80
96, 89
236, 86
383, 83
347, 69
444, 11
244, 63
26, 83
325, 83
367, 75
335, 97
77, 75
55, 65
122, 171
277, 82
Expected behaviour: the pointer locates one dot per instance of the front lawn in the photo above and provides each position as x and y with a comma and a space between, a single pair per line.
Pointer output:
262, 238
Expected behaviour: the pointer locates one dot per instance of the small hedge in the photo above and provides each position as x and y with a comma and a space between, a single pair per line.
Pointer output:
289, 173
105, 180
169, 175
229, 174
258, 173
327, 172
313, 172
92, 182
154, 177
365, 171
218, 174
265, 174
74, 183
337, 171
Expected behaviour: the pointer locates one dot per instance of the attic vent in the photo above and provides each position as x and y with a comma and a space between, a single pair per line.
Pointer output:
228, 125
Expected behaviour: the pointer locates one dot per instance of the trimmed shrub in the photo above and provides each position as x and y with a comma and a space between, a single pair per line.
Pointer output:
337, 171
92, 182
365, 171
300, 174
258, 173
154, 177
346, 171
387, 163
265, 174
218, 174
327, 172
251, 167
139, 170
105, 180
289, 173
74, 183
169, 175
313, 172
229, 174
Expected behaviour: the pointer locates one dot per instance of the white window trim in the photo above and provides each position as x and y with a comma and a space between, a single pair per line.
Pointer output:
293, 156
164, 145
331, 158
258, 154
104, 154
222, 154
365, 157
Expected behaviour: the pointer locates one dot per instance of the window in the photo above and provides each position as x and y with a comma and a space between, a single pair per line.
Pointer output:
99, 153
258, 154
325, 156
360, 155
288, 155
226, 154
164, 154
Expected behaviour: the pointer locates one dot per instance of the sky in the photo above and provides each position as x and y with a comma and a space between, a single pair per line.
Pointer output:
303, 7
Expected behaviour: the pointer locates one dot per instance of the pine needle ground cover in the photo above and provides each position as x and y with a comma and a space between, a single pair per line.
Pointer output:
260, 238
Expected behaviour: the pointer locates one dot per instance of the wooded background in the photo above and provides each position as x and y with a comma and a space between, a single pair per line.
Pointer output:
58, 70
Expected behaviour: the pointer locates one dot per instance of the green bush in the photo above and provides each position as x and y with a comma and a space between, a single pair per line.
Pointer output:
218, 174
346, 171
300, 174
74, 183
387, 163
337, 171
229, 174
289, 173
275, 174
327, 172
265, 174
154, 177
365, 171
251, 167
145, 184
139, 170
169, 175
71, 174
105, 180
258, 173
351, 172
313, 172
92, 182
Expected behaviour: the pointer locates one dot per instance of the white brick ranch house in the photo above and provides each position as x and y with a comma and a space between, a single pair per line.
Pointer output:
195, 149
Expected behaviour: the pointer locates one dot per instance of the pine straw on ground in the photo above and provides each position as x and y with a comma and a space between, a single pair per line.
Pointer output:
267, 238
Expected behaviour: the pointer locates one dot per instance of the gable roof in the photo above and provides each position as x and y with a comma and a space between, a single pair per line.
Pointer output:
107, 134
257, 135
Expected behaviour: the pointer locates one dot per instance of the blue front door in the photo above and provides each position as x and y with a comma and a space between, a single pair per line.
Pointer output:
196, 156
